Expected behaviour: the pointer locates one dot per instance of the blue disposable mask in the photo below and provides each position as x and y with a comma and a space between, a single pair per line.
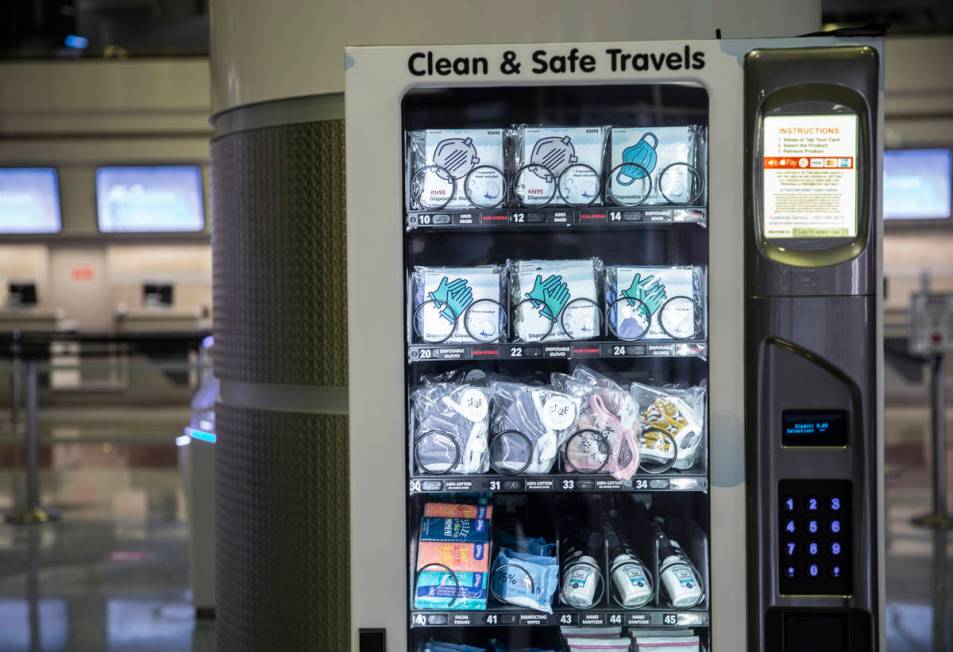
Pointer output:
642, 156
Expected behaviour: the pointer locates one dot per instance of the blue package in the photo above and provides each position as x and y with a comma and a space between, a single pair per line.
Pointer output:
438, 646
438, 589
525, 580
470, 530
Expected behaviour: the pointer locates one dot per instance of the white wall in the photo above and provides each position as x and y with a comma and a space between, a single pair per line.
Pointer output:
77, 115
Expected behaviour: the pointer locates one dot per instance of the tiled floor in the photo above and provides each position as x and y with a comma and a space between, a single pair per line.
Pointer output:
112, 575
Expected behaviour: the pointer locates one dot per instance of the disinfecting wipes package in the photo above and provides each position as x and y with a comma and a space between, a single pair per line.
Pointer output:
559, 166
458, 304
455, 169
657, 165
655, 303
555, 300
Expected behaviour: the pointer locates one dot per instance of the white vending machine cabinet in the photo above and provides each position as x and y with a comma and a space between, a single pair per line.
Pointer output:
612, 343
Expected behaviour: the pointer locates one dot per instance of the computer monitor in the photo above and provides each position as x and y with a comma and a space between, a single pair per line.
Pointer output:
157, 295
150, 199
21, 294
918, 185
29, 201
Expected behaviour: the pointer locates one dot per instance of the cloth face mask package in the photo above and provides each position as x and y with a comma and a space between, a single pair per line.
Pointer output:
657, 166
452, 428
559, 166
655, 303
458, 304
670, 416
530, 424
524, 579
555, 300
609, 411
455, 169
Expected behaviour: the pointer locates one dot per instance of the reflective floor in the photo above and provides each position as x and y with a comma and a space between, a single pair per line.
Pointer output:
112, 575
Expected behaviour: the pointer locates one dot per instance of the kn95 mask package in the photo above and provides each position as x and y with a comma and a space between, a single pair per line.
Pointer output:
455, 169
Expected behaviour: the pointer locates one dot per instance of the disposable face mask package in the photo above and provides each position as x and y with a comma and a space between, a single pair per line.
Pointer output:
437, 646
657, 166
529, 424
458, 304
555, 300
670, 415
455, 169
453, 573
607, 429
525, 580
655, 303
452, 426
559, 166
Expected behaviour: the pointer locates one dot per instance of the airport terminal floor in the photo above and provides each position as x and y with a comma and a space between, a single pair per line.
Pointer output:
112, 575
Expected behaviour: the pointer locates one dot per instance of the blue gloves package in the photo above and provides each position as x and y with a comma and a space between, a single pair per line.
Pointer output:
655, 303
555, 300
458, 304
524, 579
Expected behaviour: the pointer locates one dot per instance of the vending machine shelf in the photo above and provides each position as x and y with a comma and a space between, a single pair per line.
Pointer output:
589, 349
672, 481
514, 617
557, 217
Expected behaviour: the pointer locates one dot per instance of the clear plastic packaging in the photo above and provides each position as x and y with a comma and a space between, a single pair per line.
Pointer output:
558, 166
555, 300
673, 426
525, 579
451, 428
454, 169
608, 427
529, 424
458, 304
655, 303
657, 166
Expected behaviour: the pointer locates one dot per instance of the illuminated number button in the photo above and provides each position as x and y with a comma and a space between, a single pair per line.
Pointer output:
812, 504
813, 570
789, 504
812, 527
835, 504
835, 571
835, 548
790, 548
790, 571
812, 549
789, 527
835, 527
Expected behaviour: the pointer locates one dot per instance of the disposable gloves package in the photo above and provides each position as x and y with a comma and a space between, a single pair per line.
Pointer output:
555, 300
458, 304
655, 303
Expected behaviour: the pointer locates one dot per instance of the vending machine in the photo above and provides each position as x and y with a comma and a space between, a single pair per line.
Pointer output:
613, 335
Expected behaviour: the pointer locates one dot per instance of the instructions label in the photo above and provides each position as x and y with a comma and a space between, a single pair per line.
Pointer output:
810, 176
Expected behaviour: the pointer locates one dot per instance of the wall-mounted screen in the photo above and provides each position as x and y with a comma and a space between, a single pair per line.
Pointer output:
150, 199
810, 176
917, 184
29, 201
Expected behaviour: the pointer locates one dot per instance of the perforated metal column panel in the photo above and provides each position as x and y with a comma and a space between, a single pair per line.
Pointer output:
281, 355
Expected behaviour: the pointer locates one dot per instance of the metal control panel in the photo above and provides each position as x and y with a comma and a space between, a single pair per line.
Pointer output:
812, 148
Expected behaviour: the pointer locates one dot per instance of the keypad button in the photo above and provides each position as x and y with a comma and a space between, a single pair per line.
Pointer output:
790, 548
812, 504
835, 526
813, 570
813, 549
813, 526
790, 526
789, 504
834, 504
836, 548
790, 571
836, 571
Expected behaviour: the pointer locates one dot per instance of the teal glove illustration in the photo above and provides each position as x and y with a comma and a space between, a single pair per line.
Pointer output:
457, 296
552, 295
649, 290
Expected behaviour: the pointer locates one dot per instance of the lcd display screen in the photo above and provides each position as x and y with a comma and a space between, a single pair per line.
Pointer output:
29, 201
150, 199
917, 184
814, 428
810, 176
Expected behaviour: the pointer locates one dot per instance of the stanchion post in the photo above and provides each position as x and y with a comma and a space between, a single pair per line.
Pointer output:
940, 518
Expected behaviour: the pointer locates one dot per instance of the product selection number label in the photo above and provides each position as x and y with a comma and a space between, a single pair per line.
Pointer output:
814, 520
